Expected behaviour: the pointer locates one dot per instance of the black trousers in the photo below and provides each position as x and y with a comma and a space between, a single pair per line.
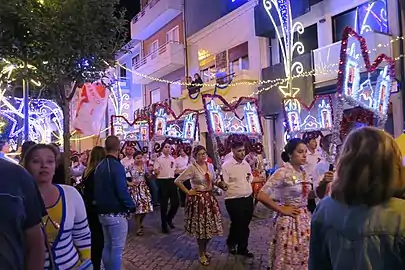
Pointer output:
167, 191
240, 211
97, 238
183, 195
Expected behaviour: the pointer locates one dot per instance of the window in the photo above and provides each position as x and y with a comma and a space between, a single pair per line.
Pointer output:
208, 74
155, 96
123, 71
135, 60
173, 35
239, 64
370, 16
153, 48
175, 89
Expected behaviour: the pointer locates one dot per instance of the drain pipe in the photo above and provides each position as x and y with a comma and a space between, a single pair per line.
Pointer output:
185, 40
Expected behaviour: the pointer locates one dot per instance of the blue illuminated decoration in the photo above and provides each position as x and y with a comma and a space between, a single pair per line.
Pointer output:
45, 118
189, 126
373, 16
216, 117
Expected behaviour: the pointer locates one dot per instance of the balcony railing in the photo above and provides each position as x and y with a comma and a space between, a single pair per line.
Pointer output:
149, 5
155, 54
326, 59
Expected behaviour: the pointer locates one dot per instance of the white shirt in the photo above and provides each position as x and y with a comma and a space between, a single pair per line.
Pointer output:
127, 162
181, 163
312, 161
165, 166
238, 177
228, 157
317, 175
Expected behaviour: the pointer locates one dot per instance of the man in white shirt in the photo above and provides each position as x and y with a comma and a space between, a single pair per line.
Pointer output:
180, 164
237, 175
128, 160
313, 158
164, 169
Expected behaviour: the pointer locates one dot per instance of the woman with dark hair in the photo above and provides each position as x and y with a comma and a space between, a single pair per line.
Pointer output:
361, 226
139, 190
97, 154
289, 235
202, 214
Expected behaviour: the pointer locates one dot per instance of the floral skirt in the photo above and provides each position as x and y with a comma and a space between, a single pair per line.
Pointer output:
203, 218
289, 241
141, 196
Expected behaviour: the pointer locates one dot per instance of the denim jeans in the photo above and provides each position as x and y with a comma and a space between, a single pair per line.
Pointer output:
115, 229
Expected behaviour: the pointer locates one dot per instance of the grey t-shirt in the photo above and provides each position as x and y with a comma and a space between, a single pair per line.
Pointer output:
21, 207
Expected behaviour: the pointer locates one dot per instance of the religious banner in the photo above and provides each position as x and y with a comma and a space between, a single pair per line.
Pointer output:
93, 98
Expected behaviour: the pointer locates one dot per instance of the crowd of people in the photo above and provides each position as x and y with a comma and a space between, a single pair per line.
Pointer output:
323, 218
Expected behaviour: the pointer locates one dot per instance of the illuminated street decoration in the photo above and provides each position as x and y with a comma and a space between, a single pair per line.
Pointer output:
160, 122
374, 98
45, 119
373, 16
316, 117
223, 123
281, 9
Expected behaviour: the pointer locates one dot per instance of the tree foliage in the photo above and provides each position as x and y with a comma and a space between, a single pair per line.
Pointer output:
66, 41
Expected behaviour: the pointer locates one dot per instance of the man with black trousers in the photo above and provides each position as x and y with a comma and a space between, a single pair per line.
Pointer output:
237, 175
164, 169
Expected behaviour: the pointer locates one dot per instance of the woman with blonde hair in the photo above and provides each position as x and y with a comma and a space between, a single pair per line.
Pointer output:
97, 154
361, 226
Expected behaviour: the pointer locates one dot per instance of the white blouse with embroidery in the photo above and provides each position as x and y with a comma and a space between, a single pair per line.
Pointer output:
197, 176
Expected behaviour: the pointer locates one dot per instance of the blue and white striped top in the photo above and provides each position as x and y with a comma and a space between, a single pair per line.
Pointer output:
72, 244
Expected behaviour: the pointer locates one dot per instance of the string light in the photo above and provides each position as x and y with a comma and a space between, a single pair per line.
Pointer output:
323, 70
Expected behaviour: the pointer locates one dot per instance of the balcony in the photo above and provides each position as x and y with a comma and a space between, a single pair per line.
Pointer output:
229, 93
166, 59
155, 15
326, 59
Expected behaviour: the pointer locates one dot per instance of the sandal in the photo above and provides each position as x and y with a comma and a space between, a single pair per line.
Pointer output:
139, 232
204, 261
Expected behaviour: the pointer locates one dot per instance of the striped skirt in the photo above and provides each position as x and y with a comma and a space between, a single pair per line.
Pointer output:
203, 218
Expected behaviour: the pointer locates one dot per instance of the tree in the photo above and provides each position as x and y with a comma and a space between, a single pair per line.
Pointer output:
67, 41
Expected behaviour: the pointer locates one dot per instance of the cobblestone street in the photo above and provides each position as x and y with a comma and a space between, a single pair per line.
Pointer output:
155, 250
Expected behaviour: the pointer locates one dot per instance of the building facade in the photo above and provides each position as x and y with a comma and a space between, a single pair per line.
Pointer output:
222, 44
377, 21
159, 27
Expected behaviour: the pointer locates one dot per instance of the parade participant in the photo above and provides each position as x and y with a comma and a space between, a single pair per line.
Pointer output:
313, 158
202, 214
97, 154
128, 160
21, 208
289, 233
66, 229
139, 191
321, 175
114, 204
164, 169
238, 177
180, 164
154, 190
362, 225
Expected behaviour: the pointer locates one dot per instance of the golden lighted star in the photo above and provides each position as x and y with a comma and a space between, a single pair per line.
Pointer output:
287, 92
2, 124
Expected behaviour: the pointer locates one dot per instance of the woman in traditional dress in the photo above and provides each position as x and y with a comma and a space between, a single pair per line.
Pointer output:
290, 232
139, 190
202, 214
